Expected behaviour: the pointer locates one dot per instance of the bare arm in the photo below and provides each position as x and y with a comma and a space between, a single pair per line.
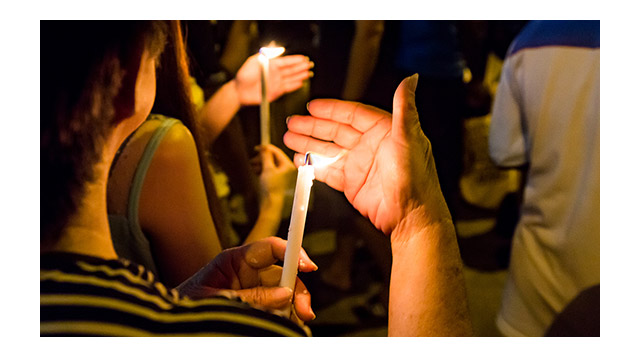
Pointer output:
236, 49
286, 74
269, 219
277, 174
389, 175
363, 58
174, 212
218, 111
426, 276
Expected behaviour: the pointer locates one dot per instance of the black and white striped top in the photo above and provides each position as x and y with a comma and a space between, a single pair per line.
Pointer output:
88, 296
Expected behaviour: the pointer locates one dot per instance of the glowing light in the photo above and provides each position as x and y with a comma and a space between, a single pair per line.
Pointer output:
306, 175
271, 51
266, 53
318, 160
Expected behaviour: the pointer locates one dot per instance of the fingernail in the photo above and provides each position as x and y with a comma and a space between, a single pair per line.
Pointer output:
414, 81
311, 74
308, 105
311, 64
287, 120
312, 313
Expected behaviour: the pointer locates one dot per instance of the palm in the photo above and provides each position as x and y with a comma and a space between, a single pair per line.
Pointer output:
388, 169
366, 174
286, 74
368, 183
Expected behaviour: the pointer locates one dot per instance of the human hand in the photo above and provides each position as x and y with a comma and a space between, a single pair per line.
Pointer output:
277, 172
286, 74
248, 272
387, 171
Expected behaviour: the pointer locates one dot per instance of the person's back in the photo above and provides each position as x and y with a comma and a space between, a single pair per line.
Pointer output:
98, 93
81, 295
547, 116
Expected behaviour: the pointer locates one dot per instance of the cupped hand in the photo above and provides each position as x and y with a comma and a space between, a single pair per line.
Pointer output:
387, 171
248, 272
277, 172
286, 74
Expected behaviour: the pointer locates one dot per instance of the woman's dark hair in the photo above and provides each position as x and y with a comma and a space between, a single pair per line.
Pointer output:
82, 66
173, 99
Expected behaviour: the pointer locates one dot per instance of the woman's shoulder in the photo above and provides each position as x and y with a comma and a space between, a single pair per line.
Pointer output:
176, 143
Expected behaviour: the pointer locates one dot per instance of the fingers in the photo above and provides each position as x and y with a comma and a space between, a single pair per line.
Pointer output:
267, 251
302, 302
292, 61
303, 143
277, 298
332, 175
273, 156
286, 87
266, 297
289, 60
328, 130
299, 72
270, 276
361, 117
301, 299
405, 115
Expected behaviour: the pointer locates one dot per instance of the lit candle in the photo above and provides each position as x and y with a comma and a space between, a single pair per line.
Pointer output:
306, 176
266, 53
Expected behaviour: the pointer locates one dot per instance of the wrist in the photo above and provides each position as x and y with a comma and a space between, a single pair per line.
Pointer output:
234, 96
272, 203
420, 223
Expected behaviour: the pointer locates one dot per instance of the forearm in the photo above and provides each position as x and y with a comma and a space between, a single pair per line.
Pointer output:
427, 293
219, 110
269, 218
236, 49
362, 60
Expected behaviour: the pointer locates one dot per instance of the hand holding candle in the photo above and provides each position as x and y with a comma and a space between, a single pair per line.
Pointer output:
298, 218
296, 225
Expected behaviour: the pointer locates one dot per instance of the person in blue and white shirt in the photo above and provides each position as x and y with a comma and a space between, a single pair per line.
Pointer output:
546, 118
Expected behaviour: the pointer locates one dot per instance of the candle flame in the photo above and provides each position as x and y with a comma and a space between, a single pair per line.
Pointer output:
271, 51
317, 160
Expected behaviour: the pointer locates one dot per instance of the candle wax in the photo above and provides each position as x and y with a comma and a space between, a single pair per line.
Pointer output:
296, 226
265, 115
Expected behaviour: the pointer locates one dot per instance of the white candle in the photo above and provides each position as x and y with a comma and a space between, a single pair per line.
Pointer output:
306, 175
296, 226
266, 54
265, 115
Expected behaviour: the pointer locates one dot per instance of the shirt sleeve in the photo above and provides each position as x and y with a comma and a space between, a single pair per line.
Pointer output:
506, 136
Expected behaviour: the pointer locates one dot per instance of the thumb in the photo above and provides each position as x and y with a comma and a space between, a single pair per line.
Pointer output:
405, 115
269, 297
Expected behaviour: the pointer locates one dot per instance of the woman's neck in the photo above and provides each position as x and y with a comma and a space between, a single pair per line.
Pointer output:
88, 230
